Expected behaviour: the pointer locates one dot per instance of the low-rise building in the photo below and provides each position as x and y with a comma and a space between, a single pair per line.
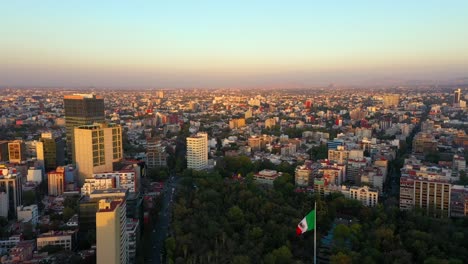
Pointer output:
65, 239
28, 214
366, 195
126, 179
11, 242
73, 221
459, 201
22, 252
266, 176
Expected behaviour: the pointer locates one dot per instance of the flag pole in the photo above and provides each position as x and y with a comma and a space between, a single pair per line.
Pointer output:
315, 233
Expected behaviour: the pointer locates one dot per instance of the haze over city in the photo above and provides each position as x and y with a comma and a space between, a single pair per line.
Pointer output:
215, 44
233, 132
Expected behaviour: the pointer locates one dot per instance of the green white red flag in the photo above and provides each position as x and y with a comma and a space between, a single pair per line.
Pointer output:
307, 224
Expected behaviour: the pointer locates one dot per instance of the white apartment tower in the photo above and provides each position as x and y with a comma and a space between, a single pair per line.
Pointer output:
111, 232
197, 151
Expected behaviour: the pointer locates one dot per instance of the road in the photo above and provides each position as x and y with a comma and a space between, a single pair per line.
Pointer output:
160, 228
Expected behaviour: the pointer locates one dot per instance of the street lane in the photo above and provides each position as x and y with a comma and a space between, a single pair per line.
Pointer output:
160, 228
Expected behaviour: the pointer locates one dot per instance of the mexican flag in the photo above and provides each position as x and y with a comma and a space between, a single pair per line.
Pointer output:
306, 224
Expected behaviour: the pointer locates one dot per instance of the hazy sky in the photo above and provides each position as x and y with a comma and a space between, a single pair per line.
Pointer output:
196, 43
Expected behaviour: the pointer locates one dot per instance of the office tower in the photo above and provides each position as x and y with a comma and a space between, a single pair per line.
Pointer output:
97, 147
16, 151
156, 155
81, 109
50, 151
197, 151
391, 100
457, 95
3, 150
111, 231
10, 191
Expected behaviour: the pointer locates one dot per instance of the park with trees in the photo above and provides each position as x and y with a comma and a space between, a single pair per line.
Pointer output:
223, 219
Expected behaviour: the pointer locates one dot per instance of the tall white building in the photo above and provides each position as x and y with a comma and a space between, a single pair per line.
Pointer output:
197, 151
111, 231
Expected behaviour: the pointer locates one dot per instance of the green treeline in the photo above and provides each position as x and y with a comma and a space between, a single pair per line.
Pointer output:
221, 220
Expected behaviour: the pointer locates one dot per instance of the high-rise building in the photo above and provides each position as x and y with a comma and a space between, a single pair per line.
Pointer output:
81, 109
457, 95
89, 205
10, 191
97, 147
156, 155
111, 231
391, 100
3, 150
197, 151
16, 151
50, 151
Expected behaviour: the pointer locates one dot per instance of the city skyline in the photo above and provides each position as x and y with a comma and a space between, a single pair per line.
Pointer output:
213, 45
